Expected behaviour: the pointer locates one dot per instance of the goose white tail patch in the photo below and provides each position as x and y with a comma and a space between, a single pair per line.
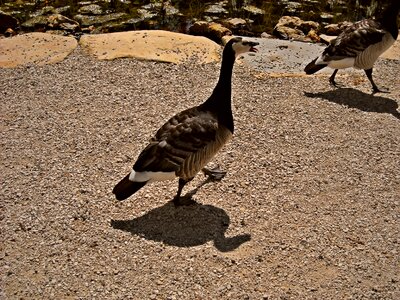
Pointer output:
320, 61
342, 63
151, 176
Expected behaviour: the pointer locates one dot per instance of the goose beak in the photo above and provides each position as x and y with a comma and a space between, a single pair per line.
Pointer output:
252, 46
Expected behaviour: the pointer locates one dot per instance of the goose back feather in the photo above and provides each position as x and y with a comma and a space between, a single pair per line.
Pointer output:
184, 144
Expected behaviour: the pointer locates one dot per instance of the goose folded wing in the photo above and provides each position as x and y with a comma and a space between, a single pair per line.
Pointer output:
183, 135
355, 39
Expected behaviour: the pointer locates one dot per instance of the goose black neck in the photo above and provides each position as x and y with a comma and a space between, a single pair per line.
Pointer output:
389, 18
221, 98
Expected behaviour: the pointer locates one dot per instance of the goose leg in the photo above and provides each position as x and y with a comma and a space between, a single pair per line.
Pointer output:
374, 86
178, 199
332, 79
214, 173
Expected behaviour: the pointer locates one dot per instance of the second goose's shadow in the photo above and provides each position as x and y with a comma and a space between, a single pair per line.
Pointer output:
357, 99
184, 226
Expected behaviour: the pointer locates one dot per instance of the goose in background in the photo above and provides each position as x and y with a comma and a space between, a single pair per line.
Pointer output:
360, 45
191, 138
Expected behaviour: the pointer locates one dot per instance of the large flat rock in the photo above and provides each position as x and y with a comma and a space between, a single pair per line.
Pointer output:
154, 45
35, 48
275, 56
283, 57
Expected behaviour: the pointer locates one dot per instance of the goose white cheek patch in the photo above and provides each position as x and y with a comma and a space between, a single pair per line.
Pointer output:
239, 48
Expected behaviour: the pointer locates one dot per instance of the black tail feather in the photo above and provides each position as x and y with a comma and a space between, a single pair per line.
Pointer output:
311, 68
126, 188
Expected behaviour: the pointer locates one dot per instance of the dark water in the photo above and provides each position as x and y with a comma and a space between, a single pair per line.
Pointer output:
324, 11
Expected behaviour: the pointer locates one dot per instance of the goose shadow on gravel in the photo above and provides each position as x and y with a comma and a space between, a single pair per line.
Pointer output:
356, 99
184, 226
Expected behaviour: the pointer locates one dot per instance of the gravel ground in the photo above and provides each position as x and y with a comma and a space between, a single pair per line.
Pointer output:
309, 208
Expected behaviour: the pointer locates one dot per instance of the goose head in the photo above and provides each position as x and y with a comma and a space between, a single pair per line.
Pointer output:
239, 46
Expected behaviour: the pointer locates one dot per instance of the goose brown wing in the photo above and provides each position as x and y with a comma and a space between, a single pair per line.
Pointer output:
184, 134
355, 39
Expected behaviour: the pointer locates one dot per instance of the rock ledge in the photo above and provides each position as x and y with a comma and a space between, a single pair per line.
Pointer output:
154, 45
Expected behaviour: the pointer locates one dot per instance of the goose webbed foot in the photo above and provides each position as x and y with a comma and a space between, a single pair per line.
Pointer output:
183, 200
376, 89
335, 84
332, 80
214, 173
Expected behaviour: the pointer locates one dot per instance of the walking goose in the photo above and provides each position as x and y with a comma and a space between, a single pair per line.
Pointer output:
360, 45
191, 138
